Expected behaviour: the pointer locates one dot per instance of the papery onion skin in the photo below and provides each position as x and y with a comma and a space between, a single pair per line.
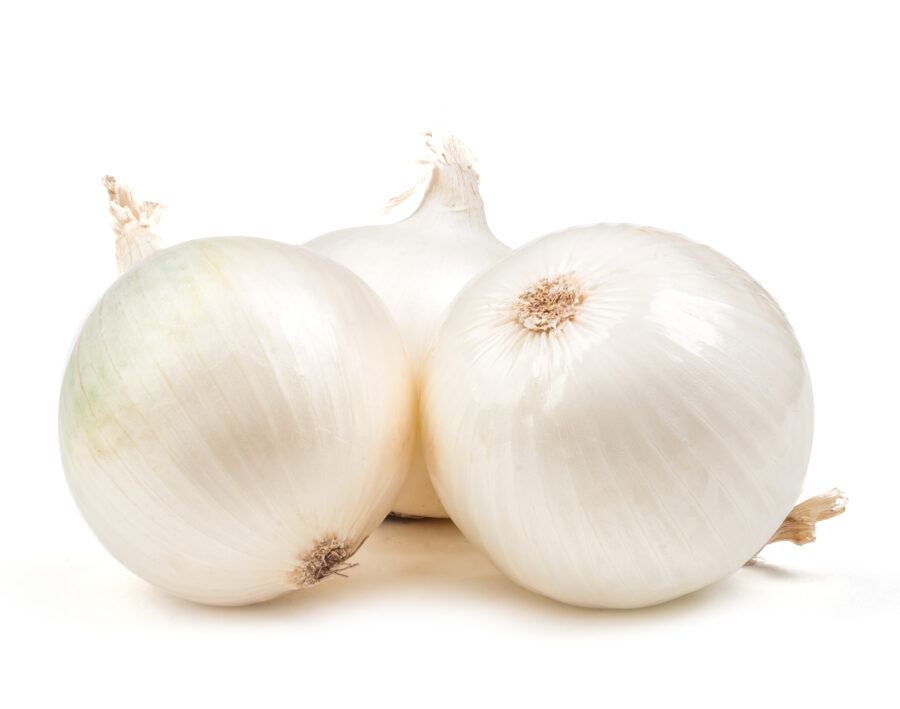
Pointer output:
417, 266
230, 404
646, 447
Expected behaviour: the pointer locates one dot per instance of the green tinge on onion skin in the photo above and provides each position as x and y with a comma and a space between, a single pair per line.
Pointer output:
235, 418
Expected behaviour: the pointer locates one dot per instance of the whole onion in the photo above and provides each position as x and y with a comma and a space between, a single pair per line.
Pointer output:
617, 415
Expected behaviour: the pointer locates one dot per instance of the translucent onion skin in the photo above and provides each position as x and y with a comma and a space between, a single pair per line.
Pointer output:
646, 447
229, 404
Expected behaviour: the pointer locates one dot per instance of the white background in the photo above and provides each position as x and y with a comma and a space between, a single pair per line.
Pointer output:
767, 130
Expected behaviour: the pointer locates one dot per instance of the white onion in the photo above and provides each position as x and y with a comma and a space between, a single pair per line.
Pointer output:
418, 266
235, 418
617, 416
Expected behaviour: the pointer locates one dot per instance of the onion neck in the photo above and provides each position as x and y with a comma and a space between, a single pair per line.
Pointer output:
452, 196
133, 223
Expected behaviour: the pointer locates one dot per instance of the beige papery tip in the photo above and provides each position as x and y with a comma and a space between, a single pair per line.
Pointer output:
133, 223
446, 150
799, 526
449, 150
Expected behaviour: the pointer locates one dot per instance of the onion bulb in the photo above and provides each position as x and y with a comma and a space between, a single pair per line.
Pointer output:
235, 415
617, 416
418, 266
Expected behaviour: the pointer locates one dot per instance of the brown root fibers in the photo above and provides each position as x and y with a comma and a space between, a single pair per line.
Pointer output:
549, 303
328, 556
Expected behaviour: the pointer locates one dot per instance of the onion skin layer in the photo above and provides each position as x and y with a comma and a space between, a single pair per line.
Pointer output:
647, 446
231, 406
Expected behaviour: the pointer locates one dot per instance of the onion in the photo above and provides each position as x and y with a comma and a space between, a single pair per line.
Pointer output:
418, 266
617, 416
236, 415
